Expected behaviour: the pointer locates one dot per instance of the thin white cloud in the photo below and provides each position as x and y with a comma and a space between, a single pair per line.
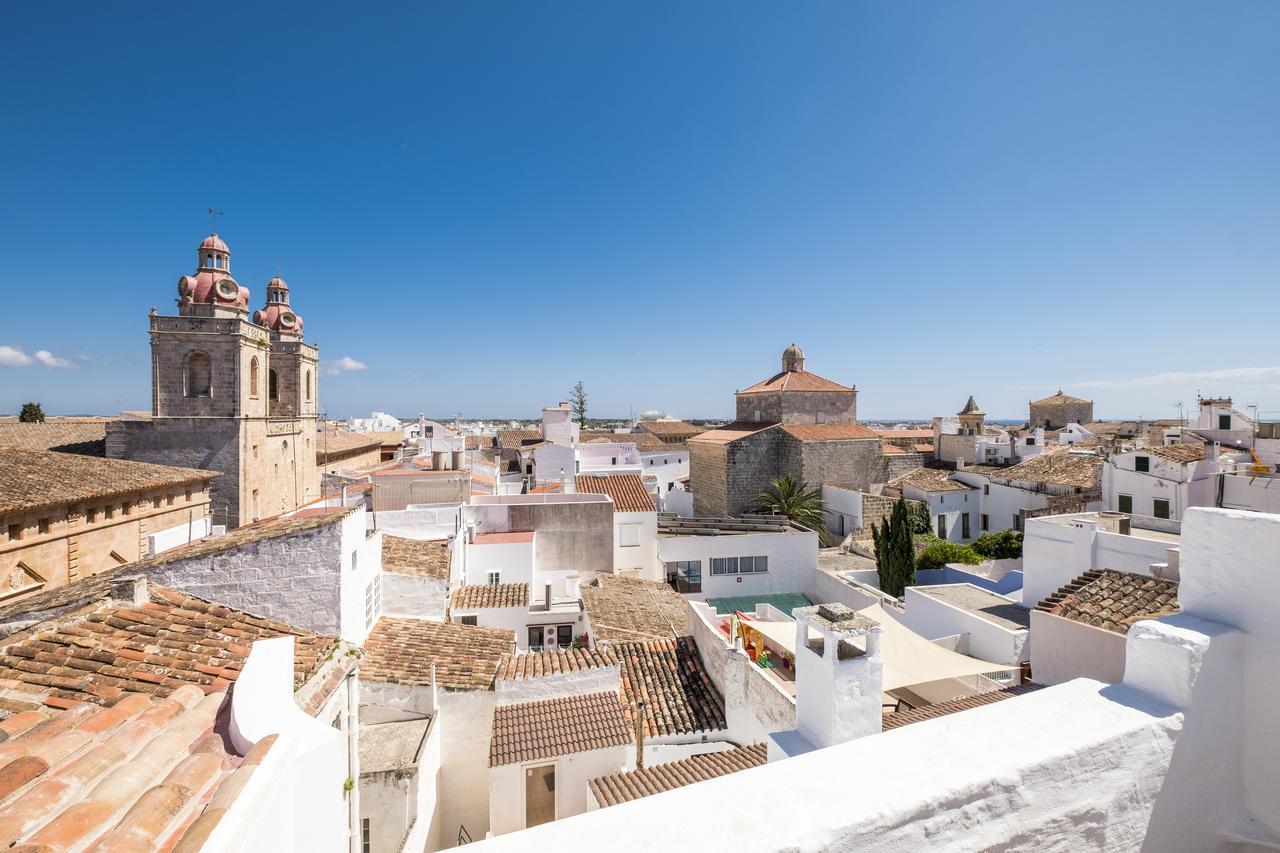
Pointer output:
1239, 375
346, 364
48, 359
15, 357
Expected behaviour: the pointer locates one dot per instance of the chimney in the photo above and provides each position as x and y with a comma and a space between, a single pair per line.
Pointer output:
130, 590
839, 675
639, 735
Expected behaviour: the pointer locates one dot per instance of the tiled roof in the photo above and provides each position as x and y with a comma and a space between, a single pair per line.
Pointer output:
332, 443
829, 432
386, 437
1180, 453
923, 447
670, 429
1061, 468
794, 380
634, 784
110, 649
511, 537
941, 709
401, 651
515, 667
905, 433
729, 432
1060, 398
476, 442
478, 596
893, 450
667, 675
1113, 600
144, 774
626, 490
84, 438
644, 442
511, 438
271, 528
527, 731
929, 479
427, 558
629, 609
34, 479
391, 746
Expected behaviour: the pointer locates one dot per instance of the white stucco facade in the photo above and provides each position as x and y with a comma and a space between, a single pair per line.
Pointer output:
572, 772
933, 618
1166, 490
635, 545
792, 560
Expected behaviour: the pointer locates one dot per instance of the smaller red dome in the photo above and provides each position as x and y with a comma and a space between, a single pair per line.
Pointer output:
213, 241
278, 282
279, 318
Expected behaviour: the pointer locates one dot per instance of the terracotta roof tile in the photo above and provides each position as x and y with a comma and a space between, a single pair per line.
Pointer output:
1060, 398
108, 650
527, 731
480, 596
921, 434
627, 491
65, 437
428, 558
942, 709
633, 784
332, 444
929, 479
401, 651
1180, 453
516, 667
1113, 600
729, 432
516, 438
1061, 468
667, 675
643, 441
794, 380
670, 429
629, 609
829, 432
33, 479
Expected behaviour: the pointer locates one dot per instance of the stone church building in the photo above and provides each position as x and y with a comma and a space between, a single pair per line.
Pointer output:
231, 392
797, 424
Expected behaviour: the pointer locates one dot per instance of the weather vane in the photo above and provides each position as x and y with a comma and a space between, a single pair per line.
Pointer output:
213, 216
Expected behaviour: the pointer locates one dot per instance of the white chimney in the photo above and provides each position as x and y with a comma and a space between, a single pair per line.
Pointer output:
839, 675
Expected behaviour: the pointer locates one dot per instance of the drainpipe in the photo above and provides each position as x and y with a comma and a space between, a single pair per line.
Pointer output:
639, 735
353, 763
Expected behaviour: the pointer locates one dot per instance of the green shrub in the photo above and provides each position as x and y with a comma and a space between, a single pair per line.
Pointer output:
939, 554
1005, 545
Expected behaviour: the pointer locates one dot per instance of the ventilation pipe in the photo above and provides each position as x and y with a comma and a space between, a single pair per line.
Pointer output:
639, 735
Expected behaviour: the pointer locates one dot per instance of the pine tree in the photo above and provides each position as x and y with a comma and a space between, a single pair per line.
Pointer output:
32, 413
578, 403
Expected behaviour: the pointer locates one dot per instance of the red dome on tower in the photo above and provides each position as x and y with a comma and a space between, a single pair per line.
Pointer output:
212, 284
277, 315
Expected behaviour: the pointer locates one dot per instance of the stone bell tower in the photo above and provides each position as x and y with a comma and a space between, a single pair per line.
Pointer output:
218, 380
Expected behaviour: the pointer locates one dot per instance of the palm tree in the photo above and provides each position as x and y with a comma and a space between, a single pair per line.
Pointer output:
800, 504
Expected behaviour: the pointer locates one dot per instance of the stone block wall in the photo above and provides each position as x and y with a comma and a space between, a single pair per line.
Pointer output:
951, 447
1058, 415
229, 344
751, 465
210, 444
856, 463
799, 407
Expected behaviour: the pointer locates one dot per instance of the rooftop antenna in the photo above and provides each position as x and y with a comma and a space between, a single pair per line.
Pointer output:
213, 217
1178, 405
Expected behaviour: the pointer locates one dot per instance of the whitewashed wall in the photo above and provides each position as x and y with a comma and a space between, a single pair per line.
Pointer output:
793, 561
934, 619
507, 795
642, 558
1065, 649
414, 596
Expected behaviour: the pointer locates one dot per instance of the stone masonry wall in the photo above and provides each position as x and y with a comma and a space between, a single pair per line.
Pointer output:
295, 578
1058, 415
856, 463
709, 478
798, 407
211, 444
752, 464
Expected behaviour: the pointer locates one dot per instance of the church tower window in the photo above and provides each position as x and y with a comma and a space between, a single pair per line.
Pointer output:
253, 376
198, 375
272, 388
308, 386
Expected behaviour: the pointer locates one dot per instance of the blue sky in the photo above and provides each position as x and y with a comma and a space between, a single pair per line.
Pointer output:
483, 203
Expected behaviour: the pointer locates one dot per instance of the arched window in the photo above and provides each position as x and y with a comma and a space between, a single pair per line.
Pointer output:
198, 375
308, 386
208, 260
272, 389
253, 376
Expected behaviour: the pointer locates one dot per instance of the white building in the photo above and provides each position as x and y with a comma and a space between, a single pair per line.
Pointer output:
977, 622
377, 422
1066, 477
542, 620
1162, 482
1171, 758
954, 506
730, 557
635, 523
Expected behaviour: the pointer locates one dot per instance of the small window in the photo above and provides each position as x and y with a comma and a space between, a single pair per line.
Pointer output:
469, 620
1017, 521
109, 512
365, 843
155, 503
188, 495
1031, 440
985, 522
42, 526
1224, 421
629, 535
169, 499
15, 532
273, 387
986, 489
1125, 504
355, 560
126, 508
495, 578
253, 376
724, 565
91, 516
1160, 508
1142, 464
820, 418
964, 526
308, 386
